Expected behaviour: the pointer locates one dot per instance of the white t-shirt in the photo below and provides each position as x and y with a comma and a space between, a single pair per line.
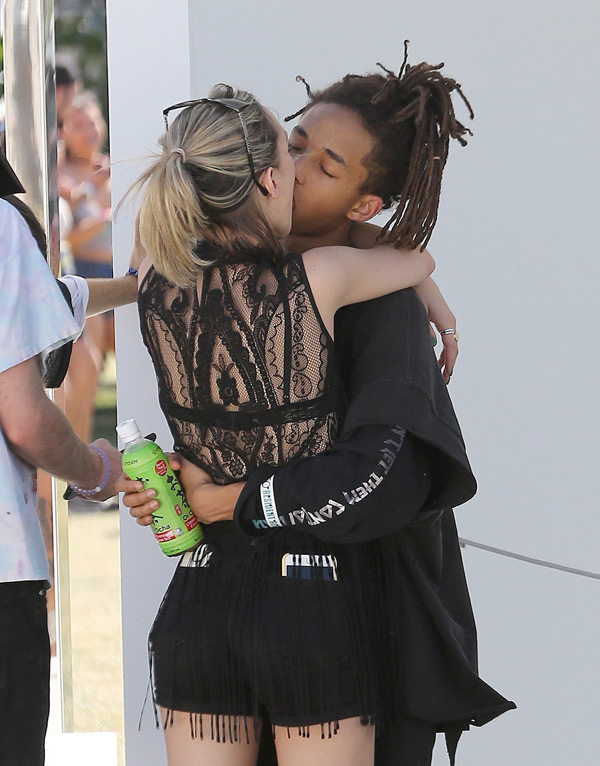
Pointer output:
34, 319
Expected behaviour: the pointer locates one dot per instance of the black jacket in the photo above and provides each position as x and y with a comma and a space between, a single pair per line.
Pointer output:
393, 378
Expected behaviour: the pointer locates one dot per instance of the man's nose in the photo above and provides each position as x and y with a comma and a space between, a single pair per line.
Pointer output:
300, 167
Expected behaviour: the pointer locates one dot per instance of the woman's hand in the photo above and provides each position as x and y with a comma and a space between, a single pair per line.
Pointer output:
447, 360
441, 316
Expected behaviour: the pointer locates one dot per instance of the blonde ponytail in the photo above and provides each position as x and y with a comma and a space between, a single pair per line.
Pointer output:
171, 219
200, 185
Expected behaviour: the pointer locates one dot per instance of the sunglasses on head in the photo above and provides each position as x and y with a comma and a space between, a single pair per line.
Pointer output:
235, 105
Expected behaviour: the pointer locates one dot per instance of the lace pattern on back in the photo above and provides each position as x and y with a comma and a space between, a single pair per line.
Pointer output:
246, 371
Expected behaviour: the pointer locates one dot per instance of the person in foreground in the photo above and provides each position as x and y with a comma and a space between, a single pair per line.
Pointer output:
34, 433
353, 148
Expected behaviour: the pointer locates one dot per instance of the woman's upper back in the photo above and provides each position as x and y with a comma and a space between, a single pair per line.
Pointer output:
245, 367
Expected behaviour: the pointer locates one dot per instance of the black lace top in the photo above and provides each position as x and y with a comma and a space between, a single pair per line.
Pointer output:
245, 367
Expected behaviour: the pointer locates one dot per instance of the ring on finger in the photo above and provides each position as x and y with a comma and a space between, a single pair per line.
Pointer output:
450, 331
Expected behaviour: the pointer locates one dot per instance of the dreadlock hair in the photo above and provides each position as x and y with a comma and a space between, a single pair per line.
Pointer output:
411, 119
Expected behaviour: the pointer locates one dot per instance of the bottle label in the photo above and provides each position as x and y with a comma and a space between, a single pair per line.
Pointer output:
191, 523
164, 537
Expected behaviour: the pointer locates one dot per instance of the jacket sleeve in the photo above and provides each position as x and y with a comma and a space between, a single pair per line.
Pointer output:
365, 487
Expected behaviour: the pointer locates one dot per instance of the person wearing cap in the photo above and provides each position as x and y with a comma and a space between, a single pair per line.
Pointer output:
34, 433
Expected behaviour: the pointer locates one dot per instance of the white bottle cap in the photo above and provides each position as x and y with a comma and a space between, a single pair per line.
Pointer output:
128, 431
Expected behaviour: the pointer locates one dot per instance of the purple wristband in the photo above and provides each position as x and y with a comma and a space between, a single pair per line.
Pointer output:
103, 483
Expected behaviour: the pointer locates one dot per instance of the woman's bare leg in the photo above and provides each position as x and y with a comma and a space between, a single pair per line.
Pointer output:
182, 750
352, 745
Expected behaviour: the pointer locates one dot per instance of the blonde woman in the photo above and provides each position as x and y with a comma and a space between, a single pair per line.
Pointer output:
241, 337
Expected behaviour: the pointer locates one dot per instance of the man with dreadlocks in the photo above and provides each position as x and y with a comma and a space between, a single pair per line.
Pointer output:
365, 144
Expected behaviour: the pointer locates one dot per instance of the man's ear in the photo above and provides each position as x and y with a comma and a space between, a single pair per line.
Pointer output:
366, 207
268, 180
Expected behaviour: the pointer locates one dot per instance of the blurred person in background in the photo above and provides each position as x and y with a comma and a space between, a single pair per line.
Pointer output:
86, 227
68, 85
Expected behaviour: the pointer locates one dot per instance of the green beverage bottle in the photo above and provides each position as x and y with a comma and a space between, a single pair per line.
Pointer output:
175, 527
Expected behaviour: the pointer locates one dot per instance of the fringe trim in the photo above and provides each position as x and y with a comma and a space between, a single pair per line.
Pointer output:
232, 729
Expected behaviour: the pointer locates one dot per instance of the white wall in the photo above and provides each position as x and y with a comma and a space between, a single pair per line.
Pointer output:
516, 248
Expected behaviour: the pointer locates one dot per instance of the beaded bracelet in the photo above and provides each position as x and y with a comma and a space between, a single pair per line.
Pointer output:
103, 483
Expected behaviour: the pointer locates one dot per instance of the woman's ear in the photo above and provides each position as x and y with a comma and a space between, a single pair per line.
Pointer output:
269, 181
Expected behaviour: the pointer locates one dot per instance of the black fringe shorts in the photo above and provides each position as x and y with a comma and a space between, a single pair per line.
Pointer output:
265, 635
